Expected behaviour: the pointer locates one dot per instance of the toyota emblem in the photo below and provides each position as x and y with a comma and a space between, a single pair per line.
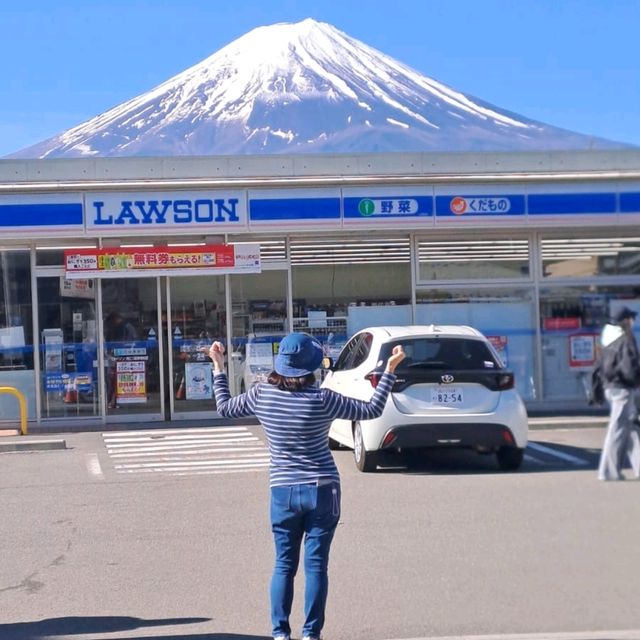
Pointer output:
447, 378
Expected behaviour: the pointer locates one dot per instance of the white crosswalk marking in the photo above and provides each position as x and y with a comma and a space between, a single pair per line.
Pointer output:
196, 451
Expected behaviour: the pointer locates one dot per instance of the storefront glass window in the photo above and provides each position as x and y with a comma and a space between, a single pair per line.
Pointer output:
504, 316
340, 287
54, 256
571, 257
472, 258
16, 333
571, 320
259, 317
50, 257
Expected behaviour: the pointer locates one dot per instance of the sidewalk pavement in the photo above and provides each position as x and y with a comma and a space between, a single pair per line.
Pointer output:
567, 422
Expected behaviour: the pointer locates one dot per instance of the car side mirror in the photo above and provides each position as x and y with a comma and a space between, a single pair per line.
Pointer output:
327, 363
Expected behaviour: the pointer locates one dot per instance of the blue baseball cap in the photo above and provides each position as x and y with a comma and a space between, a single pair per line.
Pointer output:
299, 355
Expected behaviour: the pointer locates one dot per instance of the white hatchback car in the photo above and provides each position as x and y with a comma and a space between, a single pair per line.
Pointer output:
452, 390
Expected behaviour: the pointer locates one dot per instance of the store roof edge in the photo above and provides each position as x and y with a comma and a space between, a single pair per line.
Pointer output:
317, 170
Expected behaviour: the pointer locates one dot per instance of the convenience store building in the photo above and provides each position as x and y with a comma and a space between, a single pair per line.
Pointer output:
114, 272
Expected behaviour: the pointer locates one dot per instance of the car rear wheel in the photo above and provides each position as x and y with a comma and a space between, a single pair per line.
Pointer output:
366, 461
510, 458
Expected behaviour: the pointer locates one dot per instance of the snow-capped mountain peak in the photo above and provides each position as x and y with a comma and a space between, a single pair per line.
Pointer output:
303, 87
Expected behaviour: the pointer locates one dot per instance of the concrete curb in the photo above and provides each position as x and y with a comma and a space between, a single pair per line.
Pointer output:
31, 445
568, 422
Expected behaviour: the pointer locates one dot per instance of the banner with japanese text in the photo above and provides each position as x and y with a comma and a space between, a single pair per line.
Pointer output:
119, 262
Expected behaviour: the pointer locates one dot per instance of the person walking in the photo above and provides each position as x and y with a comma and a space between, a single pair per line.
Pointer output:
303, 477
619, 365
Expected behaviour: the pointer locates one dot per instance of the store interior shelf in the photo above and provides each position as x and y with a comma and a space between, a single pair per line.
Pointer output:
322, 326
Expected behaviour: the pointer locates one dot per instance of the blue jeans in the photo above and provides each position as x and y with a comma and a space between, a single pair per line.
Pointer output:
311, 512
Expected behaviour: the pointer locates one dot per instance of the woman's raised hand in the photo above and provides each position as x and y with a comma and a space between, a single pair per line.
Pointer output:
396, 357
216, 353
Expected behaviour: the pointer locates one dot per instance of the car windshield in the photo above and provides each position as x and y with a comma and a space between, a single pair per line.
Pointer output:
442, 353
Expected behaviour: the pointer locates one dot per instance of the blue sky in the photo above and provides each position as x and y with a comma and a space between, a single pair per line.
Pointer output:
570, 63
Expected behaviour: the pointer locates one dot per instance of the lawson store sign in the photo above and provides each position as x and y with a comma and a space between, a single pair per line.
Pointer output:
330, 208
224, 210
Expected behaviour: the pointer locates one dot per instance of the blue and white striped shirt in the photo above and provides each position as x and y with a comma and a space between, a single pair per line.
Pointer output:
297, 423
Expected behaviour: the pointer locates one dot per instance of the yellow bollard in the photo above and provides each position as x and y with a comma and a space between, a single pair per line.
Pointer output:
23, 406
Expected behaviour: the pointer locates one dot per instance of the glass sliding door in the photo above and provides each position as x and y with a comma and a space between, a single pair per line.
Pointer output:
132, 349
68, 347
197, 316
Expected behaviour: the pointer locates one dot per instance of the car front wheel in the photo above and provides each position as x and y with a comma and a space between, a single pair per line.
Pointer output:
510, 458
366, 461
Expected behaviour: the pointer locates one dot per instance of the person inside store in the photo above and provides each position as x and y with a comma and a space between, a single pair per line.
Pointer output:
619, 369
305, 486
116, 331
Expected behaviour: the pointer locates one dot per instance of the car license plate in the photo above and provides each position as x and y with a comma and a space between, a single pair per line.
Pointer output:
447, 395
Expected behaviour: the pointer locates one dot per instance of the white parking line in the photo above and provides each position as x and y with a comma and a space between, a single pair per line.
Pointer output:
534, 460
151, 432
179, 438
226, 467
249, 457
179, 444
558, 454
213, 472
162, 455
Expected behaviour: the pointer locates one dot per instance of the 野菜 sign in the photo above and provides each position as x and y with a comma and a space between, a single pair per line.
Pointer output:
390, 206
153, 261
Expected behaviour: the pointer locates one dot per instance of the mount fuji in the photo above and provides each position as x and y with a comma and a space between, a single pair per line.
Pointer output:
303, 88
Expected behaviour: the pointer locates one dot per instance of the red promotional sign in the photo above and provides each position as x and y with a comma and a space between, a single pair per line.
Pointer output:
561, 324
152, 261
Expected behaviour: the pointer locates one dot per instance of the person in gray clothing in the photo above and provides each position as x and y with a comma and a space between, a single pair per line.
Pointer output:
619, 365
